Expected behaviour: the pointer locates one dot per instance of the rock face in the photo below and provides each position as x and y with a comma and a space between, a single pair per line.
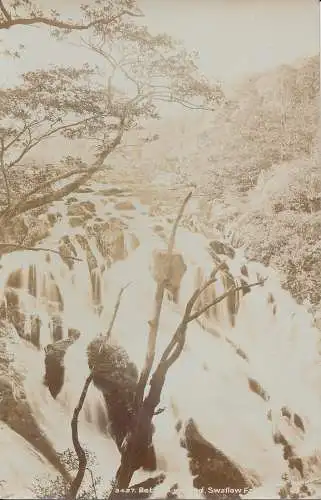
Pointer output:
14, 407
54, 365
177, 271
211, 468
110, 239
117, 378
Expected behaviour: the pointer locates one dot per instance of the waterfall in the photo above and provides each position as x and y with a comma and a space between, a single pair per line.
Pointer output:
247, 359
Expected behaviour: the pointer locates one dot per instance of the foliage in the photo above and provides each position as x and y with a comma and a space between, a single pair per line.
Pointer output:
58, 487
141, 72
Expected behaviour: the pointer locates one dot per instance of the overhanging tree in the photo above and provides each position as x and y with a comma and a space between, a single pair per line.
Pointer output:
141, 71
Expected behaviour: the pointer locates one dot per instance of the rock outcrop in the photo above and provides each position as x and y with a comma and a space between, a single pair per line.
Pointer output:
116, 376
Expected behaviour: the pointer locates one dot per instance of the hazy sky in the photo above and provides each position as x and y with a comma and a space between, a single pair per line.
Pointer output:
233, 37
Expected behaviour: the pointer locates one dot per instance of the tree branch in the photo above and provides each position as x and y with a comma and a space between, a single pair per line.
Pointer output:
108, 334
82, 460
154, 323
4, 173
55, 23
11, 246
33, 143
4, 11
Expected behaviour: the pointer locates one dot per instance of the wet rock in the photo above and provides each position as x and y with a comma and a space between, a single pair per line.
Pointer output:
159, 268
35, 328
81, 212
76, 221
297, 463
73, 333
111, 191
15, 279
256, 387
220, 248
125, 205
85, 190
67, 251
90, 257
116, 376
285, 412
110, 239
72, 199
297, 420
14, 407
210, 466
244, 271
54, 365
54, 217
56, 328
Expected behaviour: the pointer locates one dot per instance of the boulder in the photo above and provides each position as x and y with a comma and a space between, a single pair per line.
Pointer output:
67, 251
54, 365
159, 269
220, 248
110, 239
116, 376
81, 211
91, 259
210, 466
125, 205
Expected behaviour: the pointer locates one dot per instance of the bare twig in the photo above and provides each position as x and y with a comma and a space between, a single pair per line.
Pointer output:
112, 322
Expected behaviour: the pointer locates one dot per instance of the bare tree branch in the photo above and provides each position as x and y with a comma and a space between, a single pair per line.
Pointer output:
8, 247
53, 130
154, 323
82, 460
223, 296
108, 334
147, 411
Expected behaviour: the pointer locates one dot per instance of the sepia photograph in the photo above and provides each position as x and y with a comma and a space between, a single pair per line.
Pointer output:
160, 249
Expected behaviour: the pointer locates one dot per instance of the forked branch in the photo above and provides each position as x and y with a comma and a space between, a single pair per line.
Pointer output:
159, 297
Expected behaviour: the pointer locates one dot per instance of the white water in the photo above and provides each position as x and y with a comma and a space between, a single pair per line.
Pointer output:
208, 383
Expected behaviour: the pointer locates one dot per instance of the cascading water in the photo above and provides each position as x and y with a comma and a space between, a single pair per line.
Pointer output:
246, 360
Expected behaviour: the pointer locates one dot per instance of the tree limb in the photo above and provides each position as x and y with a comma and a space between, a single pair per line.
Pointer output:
27, 204
56, 23
154, 323
82, 460
108, 334
4, 173
15, 247
53, 130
